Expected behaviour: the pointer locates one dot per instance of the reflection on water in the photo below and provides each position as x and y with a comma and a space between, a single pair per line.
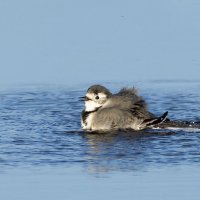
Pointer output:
140, 151
41, 127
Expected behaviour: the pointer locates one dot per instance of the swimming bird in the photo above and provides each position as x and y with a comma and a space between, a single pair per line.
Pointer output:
105, 111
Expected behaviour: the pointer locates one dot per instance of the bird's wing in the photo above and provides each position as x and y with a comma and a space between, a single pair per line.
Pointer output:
111, 118
128, 99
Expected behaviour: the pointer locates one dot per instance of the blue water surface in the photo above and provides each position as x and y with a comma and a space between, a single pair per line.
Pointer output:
45, 154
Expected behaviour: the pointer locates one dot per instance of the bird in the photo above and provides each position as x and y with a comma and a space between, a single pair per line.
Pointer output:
105, 111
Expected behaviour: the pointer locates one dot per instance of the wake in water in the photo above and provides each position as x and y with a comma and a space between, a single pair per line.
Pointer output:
166, 128
180, 125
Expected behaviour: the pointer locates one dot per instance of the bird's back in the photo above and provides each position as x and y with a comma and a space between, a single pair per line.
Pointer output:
129, 100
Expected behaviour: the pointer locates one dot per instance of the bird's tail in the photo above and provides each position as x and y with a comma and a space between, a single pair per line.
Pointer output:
155, 121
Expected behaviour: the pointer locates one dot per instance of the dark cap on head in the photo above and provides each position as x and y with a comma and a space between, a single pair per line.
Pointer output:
98, 89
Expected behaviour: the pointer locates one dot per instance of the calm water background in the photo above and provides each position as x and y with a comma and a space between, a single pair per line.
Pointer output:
45, 154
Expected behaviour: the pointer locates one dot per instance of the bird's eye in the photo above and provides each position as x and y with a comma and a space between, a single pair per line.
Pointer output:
97, 97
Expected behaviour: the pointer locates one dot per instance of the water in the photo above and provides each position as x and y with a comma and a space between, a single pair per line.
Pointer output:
42, 146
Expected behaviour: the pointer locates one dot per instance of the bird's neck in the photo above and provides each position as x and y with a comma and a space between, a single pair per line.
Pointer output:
91, 106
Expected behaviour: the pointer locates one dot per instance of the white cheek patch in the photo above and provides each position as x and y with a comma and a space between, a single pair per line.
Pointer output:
102, 96
91, 106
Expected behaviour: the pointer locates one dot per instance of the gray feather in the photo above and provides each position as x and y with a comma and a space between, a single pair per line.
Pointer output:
123, 110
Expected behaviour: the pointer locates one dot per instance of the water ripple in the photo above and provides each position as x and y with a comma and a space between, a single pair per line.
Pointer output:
43, 128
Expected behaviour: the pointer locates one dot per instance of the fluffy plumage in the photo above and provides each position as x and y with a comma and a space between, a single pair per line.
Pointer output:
124, 110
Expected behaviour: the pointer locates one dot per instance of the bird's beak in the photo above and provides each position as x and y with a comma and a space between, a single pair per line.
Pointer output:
85, 98
82, 98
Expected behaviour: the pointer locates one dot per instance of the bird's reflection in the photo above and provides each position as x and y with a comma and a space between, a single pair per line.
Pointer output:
122, 150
